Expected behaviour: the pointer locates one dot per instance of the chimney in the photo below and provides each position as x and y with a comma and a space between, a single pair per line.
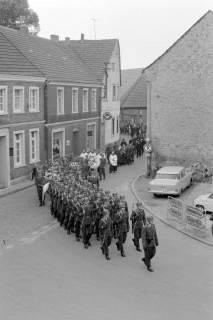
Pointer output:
67, 39
82, 36
24, 28
54, 37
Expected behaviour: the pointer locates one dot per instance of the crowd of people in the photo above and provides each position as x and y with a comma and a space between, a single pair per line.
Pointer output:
132, 129
83, 208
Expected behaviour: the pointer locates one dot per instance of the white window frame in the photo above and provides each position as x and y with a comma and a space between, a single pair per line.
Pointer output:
37, 159
5, 101
74, 111
59, 112
87, 100
63, 140
37, 100
22, 102
22, 163
94, 107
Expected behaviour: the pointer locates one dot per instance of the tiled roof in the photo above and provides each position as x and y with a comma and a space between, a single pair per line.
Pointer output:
48, 57
94, 53
136, 97
13, 62
128, 76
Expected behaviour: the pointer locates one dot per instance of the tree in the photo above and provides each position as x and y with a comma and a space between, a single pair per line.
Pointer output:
14, 13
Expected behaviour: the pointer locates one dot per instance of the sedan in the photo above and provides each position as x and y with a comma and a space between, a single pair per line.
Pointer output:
171, 180
205, 202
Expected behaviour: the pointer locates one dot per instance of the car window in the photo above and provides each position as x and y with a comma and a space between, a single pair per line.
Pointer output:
211, 196
167, 176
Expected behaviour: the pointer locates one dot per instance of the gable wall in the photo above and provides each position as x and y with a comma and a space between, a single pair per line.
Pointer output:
181, 113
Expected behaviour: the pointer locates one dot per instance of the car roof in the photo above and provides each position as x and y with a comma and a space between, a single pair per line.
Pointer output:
171, 169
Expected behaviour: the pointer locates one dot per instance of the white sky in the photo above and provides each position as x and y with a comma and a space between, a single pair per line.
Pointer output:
145, 29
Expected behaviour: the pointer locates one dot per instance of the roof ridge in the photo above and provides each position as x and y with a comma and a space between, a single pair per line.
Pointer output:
181, 37
21, 52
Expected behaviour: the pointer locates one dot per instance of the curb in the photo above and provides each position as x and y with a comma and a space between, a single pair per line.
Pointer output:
132, 188
16, 190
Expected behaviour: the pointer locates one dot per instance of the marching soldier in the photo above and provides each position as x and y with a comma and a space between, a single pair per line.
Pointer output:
122, 220
150, 241
138, 220
87, 224
105, 227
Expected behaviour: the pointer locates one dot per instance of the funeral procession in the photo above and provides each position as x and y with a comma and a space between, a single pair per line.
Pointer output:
106, 148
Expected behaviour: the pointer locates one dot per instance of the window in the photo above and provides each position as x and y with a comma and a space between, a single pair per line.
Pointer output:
114, 93
19, 149
33, 99
75, 100
113, 126
117, 125
3, 100
60, 100
85, 100
34, 145
93, 100
18, 99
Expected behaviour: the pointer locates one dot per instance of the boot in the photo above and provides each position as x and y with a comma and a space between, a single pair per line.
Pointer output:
138, 249
123, 254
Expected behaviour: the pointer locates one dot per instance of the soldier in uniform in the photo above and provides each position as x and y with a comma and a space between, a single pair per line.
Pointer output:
122, 221
105, 227
87, 224
39, 185
78, 220
149, 241
138, 220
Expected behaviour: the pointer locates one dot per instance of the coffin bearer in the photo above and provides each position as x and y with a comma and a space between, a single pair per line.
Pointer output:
149, 241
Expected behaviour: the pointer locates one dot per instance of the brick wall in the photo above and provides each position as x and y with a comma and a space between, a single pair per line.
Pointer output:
181, 113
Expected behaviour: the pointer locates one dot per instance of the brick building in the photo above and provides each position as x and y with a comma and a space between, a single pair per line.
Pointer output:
21, 113
102, 57
180, 96
71, 94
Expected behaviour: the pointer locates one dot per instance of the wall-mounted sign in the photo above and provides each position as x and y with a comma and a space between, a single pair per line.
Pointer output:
107, 115
68, 142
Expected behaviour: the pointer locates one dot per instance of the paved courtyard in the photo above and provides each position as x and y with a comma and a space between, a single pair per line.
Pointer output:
45, 274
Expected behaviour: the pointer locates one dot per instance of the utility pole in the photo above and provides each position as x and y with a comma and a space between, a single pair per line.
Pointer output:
94, 27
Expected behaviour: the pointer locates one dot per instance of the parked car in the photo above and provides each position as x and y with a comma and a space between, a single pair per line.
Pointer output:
205, 202
171, 180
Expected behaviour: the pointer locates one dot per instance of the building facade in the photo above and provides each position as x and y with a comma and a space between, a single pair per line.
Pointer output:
180, 97
72, 119
102, 58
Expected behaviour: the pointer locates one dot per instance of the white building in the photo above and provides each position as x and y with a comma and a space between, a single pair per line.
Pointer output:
102, 57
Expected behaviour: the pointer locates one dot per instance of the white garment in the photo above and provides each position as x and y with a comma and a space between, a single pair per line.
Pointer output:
83, 155
113, 159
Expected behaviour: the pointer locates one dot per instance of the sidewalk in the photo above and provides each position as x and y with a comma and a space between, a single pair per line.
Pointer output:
159, 206
16, 187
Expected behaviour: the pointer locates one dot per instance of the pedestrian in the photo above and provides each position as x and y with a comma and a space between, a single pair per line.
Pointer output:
149, 241
39, 185
34, 172
113, 160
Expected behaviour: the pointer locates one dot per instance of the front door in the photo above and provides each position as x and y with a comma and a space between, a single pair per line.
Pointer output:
91, 137
58, 148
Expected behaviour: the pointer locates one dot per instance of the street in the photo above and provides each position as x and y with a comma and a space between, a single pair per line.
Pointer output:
45, 274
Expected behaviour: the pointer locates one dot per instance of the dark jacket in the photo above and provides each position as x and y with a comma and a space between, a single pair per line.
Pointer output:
149, 236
